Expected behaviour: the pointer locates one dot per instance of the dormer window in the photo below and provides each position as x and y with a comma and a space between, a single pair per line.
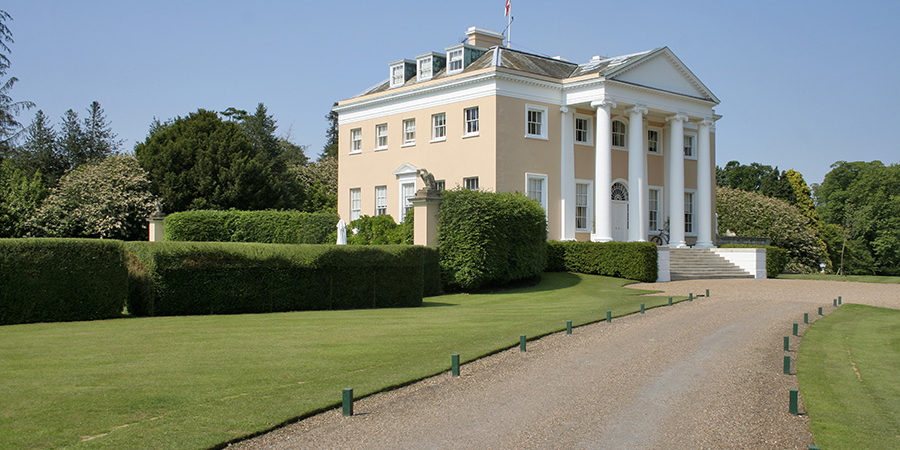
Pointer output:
455, 61
397, 75
425, 69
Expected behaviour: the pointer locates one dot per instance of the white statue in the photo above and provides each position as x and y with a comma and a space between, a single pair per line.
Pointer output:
341, 232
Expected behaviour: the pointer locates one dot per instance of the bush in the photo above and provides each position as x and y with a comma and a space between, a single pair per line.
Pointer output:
50, 280
273, 227
632, 260
431, 272
182, 278
377, 230
490, 238
776, 258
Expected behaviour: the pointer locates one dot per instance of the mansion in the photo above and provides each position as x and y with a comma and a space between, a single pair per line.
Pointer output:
614, 149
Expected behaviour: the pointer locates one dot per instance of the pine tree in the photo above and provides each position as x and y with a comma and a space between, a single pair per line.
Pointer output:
99, 139
331, 135
41, 152
71, 141
10, 128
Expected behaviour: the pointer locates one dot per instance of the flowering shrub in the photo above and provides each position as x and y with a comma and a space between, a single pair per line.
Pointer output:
754, 215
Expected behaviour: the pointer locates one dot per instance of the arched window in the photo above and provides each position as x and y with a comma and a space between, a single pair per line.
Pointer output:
619, 192
618, 133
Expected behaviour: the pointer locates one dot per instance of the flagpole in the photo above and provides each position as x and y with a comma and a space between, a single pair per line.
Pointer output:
509, 27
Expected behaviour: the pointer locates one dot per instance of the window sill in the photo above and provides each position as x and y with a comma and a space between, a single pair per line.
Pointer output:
411, 144
619, 148
380, 149
470, 135
443, 139
582, 230
535, 136
589, 144
355, 152
654, 153
690, 157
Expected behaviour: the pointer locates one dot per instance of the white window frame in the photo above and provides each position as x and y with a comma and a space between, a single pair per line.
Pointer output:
440, 184
693, 212
612, 140
381, 202
379, 135
404, 204
409, 133
589, 210
466, 122
659, 140
355, 141
468, 180
393, 79
545, 185
426, 62
435, 127
355, 203
542, 124
451, 59
660, 209
589, 133
693, 136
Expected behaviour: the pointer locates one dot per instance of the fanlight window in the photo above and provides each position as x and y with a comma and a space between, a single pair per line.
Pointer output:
619, 192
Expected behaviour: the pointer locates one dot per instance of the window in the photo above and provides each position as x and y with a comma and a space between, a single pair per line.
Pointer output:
536, 188
471, 117
439, 127
688, 212
618, 133
355, 204
409, 132
535, 116
425, 72
397, 74
653, 145
440, 185
454, 61
356, 140
653, 216
689, 145
407, 192
582, 202
381, 136
471, 183
380, 200
583, 130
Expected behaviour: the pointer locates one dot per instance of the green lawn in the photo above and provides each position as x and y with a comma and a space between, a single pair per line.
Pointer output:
849, 374
202, 380
860, 278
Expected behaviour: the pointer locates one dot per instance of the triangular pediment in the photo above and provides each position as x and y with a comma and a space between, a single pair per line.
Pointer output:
406, 169
663, 70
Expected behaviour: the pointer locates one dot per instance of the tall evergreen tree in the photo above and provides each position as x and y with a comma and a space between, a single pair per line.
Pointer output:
40, 151
10, 128
99, 139
71, 141
331, 135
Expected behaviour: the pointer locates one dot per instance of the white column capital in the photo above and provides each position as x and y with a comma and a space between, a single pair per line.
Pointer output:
605, 104
707, 122
680, 117
564, 109
638, 109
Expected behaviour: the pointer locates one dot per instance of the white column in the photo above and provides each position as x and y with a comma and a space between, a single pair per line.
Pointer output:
704, 186
637, 181
675, 188
602, 172
567, 176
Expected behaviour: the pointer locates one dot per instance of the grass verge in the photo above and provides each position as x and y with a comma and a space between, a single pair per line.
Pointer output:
847, 370
829, 277
198, 381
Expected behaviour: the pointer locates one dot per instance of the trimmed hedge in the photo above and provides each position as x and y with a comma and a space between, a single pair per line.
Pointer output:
632, 260
490, 238
274, 227
54, 280
776, 258
184, 278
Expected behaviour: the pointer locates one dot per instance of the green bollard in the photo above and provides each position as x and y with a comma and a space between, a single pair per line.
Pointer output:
820, 310
691, 297
608, 316
670, 301
787, 365
568, 327
805, 317
522, 343
813, 447
348, 401
840, 300
835, 302
707, 293
454, 364
787, 344
642, 308
796, 329
794, 405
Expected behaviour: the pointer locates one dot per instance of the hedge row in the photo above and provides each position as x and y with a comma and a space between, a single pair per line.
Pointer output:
632, 260
182, 278
776, 258
490, 238
52, 280
274, 227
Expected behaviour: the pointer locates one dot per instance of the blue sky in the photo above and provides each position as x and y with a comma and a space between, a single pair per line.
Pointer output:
802, 83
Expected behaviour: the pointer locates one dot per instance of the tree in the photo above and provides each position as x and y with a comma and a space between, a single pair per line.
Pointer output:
319, 183
203, 162
71, 140
331, 135
755, 178
108, 199
20, 196
40, 152
10, 128
99, 139
802, 196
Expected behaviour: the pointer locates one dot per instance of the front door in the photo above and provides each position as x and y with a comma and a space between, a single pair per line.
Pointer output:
619, 215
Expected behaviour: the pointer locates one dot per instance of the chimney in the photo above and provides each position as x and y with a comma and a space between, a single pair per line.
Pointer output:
479, 37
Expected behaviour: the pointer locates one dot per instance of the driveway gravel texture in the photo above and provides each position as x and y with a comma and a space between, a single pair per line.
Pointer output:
701, 374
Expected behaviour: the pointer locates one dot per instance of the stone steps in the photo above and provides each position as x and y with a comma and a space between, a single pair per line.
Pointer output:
697, 263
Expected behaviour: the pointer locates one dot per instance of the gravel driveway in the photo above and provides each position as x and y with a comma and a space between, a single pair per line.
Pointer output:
699, 374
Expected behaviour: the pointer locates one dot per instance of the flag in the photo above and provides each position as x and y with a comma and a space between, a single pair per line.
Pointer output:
507, 8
